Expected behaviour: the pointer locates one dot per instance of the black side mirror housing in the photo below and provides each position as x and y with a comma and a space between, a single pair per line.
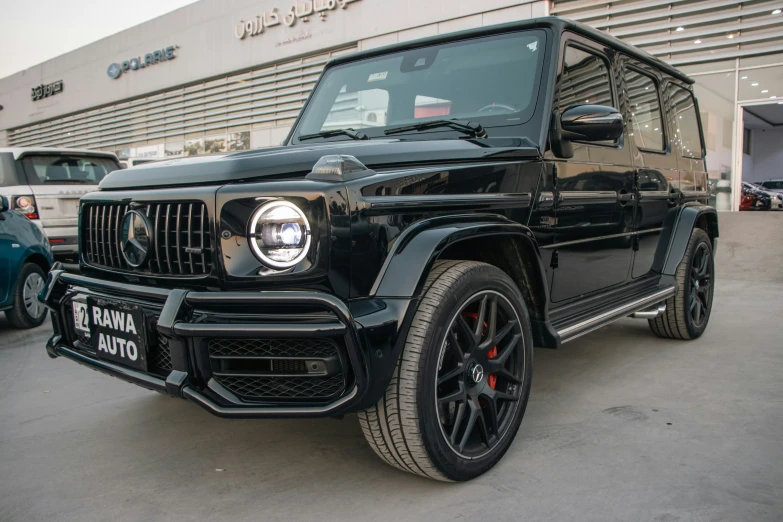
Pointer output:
584, 123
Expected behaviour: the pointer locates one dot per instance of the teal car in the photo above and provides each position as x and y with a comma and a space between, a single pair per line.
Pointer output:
25, 259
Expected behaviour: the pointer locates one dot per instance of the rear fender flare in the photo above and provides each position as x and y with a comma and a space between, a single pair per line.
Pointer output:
677, 231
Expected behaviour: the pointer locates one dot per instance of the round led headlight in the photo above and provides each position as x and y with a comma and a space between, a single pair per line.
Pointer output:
279, 234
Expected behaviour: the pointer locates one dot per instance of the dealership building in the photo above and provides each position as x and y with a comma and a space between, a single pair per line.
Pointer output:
221, 75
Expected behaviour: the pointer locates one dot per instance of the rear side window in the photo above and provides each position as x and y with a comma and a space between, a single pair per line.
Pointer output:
684, 123
646, 120
70, 169
776, 185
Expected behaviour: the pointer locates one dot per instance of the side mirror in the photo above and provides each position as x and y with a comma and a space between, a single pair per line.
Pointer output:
584, 123
4, 205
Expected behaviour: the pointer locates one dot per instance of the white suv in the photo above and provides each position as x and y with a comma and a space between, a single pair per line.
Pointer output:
45, 185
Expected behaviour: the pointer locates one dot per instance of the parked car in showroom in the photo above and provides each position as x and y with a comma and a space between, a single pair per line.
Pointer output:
25, 258
45, 185
756, 197
405, 270
772, 185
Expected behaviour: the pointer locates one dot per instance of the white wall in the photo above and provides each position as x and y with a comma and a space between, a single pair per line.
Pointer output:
205, 33
766, 151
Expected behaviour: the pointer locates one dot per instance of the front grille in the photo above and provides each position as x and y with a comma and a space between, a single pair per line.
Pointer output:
181, 240
278, 369
272, 347
255, 388
159, 357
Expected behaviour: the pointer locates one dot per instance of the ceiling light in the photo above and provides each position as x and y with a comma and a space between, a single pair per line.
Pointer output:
754, 84
680, 29
697, 42
780, 103
744, 78
729, 36
765, 91
776, 11
772, 97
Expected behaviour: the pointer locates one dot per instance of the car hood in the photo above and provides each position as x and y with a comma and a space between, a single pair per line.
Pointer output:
296, 161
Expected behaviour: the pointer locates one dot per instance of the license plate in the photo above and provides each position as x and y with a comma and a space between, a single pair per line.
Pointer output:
117, 332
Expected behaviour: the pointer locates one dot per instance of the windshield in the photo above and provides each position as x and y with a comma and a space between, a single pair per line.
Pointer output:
67, 169
775, 185
492, 81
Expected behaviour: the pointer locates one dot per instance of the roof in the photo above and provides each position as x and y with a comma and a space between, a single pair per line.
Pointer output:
18, 152
552, 22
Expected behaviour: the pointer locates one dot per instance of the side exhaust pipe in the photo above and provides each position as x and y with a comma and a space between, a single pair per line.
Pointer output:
650, 313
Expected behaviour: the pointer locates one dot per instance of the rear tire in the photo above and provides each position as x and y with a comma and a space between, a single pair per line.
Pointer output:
27, 311
688, 312
461, 385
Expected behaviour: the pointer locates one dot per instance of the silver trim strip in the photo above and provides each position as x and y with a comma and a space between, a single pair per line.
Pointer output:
588, 325
596, 196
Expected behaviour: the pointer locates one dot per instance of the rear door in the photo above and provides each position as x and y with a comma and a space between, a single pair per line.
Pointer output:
58, 182
657, 175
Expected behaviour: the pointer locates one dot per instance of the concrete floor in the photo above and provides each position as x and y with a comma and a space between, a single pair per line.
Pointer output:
620, 426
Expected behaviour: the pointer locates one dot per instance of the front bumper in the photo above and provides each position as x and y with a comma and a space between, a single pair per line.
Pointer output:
187, 320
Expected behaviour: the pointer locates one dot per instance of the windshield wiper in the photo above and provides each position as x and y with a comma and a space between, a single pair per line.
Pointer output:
337, 132
473, 129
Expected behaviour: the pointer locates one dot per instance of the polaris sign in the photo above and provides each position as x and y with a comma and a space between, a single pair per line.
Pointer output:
115, 70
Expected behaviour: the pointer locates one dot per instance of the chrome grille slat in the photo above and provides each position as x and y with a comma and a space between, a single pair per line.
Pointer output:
177, 233
166, 236
190, 246
89, 238
109, 235
157, 242
102, 247
103, 234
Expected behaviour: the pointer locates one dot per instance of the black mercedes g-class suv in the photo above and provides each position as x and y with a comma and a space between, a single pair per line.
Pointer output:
439, 208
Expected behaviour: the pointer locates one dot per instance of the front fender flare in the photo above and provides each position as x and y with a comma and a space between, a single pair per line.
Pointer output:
415, 251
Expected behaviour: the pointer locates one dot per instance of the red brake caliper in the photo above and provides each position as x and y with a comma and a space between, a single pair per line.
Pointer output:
492, 379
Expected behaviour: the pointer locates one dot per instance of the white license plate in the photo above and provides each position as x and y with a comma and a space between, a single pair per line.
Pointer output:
81, 319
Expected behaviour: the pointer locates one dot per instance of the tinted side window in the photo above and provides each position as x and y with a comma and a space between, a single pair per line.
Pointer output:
646, 120
585, 80
684, 123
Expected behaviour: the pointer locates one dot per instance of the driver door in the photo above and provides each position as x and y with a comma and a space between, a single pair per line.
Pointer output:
594, 196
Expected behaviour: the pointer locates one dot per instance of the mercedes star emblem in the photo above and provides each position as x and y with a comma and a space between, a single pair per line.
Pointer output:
135, 238
476, 373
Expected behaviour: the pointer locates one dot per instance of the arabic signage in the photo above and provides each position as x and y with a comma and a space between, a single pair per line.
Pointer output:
302, 10
158, 56
44, 91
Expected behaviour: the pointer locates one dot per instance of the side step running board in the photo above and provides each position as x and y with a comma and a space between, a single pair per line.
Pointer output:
593, 323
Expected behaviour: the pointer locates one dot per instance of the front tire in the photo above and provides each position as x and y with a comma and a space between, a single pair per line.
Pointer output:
688, 312
27, 311
460, 388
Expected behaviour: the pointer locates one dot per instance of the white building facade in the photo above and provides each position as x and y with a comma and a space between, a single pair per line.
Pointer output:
222, 75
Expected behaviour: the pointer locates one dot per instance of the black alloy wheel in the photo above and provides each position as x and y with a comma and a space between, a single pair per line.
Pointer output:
700, 285
480, 375
461, 385
688, 312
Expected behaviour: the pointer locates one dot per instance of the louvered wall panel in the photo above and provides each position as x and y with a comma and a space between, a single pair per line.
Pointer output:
264, 96
724, 29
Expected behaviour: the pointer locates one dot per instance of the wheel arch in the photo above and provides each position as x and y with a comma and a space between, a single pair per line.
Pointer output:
677, 230
490, 239
40, 260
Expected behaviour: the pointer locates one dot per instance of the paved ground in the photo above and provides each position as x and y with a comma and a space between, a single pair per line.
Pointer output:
621, 426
